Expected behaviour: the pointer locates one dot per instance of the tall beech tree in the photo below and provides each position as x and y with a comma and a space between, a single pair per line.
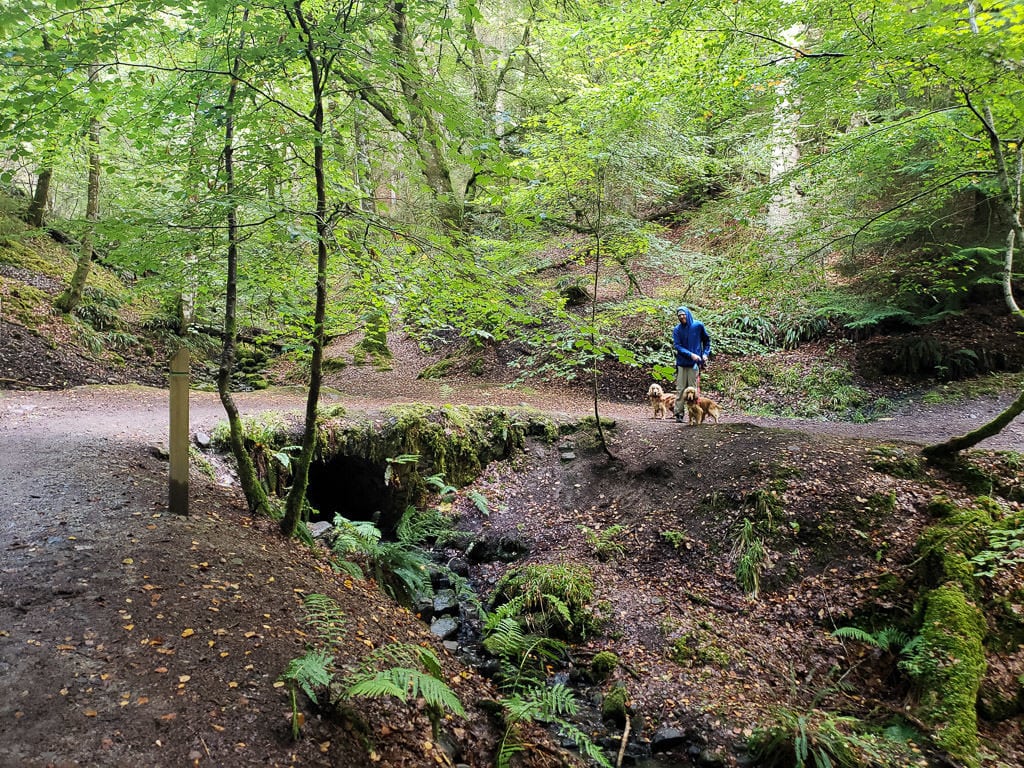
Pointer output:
316, 28
72, 295
255, 494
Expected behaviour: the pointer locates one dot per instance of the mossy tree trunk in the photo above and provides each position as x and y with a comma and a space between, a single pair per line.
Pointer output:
72, 295
319, 68
953, 665
35, 214
248, 478
954, 445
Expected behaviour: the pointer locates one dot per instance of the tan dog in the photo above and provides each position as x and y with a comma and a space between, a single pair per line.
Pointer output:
661, 402
698, 408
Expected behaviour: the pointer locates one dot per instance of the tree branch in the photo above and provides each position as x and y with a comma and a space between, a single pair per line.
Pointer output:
798, 53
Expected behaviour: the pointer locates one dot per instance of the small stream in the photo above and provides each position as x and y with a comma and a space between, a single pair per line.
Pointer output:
458, 625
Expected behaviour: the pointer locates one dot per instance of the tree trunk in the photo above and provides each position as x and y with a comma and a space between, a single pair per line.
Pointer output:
36, 212
426, 132
72, 295
954, 445
783, 211
1008, 202
296, 501
41, 198
1011, 302
255, 495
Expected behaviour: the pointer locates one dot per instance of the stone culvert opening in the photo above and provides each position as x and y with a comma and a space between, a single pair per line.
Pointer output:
354, 488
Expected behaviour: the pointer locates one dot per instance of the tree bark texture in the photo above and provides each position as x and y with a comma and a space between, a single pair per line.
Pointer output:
296, 501
955, 445
36, 213
72, 295
255, 495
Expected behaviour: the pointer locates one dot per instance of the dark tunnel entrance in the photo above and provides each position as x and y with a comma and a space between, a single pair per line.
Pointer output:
354, 488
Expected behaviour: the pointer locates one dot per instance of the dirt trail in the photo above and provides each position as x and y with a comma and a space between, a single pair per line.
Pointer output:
84, 538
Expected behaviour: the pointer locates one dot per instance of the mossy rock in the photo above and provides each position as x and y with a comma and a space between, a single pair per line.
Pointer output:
941, 507
40, 255
23, 303
998, 702
603, 665
374, 344
698, 648
614, 706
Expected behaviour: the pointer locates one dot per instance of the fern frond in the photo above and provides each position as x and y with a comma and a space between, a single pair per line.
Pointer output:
438, 695
350, 568
504, 637
521, 708
855, 633
509, 749
892, 638
393, 655
559, 607
585, 744
430, 662
325, 617
513, 609
403, 684
310, 671
389, 683
480, 502
360, 536
557, 702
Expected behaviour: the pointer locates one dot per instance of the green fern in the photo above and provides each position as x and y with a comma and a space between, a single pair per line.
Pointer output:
400, 567
355, 536
444, 490
325, 617
522, 657
404, 684
549, 705
480, 502
536, 611
890, 639
606, 544
552, 599
309, 672
813, 738
350, 568
404, 654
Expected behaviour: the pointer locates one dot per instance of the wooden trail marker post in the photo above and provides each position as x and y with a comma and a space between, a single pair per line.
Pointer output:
178, 491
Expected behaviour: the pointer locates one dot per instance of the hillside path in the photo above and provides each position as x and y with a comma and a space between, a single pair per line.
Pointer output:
86, 551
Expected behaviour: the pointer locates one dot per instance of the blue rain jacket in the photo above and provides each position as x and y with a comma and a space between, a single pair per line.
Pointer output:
690, 338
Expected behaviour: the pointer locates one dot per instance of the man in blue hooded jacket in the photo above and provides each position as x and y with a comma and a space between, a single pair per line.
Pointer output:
692, 345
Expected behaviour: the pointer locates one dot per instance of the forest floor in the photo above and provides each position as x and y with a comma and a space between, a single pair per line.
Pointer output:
130, 637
